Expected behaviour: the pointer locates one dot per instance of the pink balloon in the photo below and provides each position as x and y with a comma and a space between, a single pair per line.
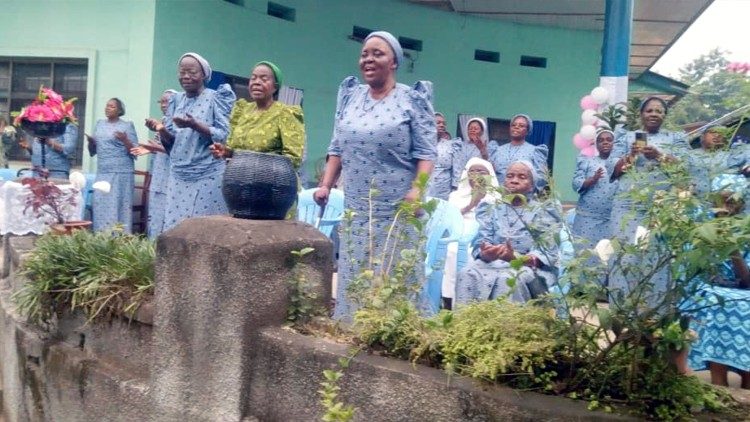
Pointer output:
589, 103
589, 151
580, 142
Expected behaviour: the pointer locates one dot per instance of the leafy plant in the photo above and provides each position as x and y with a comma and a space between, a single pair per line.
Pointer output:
48, 199
335, 410
103, 274
304, 302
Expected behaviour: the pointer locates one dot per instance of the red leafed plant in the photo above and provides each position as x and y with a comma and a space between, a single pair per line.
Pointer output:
48, 199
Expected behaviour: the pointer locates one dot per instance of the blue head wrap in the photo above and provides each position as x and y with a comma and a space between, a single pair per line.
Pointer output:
398, 52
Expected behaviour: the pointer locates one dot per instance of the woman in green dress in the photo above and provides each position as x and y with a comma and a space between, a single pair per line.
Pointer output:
264, 125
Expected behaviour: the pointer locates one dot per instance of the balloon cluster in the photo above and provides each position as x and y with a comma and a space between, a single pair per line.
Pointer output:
590, 104
738, 67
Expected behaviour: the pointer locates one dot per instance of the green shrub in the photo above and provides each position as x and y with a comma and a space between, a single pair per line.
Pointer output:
100, 273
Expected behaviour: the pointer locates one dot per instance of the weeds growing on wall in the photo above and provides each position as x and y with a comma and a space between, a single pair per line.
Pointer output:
103, 274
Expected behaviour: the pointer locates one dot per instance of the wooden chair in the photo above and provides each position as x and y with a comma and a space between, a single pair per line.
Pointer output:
140, 223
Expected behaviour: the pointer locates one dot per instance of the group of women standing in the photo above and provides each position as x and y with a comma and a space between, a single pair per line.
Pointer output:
200, 130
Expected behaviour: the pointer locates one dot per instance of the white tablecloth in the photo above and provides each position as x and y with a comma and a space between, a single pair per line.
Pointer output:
13, 202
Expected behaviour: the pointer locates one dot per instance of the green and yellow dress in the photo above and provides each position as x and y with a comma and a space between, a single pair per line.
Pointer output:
278, 130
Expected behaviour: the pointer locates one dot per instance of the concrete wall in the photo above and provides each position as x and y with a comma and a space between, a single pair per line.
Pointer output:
115, 36
315, 54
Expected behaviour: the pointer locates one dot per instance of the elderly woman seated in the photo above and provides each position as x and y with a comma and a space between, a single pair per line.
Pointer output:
520, 228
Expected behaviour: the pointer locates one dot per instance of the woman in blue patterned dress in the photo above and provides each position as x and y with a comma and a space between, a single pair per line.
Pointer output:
196, 118
517, 149
445, 175
506, 231
158, 166
591, 181
384, 137
112, 141
57, 152
639, 166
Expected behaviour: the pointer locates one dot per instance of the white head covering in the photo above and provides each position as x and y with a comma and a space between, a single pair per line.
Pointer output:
462, 196
203, 62
485, 136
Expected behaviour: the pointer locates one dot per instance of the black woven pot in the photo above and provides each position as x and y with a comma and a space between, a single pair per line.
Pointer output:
259, 186
43, 129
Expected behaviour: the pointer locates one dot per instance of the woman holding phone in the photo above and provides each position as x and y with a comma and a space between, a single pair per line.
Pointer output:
640, 159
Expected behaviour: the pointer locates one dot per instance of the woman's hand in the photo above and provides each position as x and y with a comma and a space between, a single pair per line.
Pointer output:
23, 144
651, 152
591, 181
320, 196
154, 124
220, 150
139, 150
489, 252
121, 136
187, 121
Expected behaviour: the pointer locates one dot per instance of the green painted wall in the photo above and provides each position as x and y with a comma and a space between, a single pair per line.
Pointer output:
315, 54
116, 36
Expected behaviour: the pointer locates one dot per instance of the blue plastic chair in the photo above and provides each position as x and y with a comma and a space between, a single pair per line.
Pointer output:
87, 196
444, 226
309, 212
7, 175
470, 231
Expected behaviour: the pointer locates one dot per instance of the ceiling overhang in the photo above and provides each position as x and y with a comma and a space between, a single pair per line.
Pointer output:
657, 24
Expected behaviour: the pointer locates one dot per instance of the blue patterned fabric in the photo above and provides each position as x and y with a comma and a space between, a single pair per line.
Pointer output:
380, 143
114, 165
444, 174
626, 217
194, 187
595, 203
157, 194
507, 154
704, 166
723, 331
57, 162
499, 223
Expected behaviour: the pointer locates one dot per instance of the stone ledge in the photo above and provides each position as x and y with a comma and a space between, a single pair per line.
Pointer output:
288, 369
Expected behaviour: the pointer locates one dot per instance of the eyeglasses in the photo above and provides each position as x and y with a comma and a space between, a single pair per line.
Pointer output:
519, 125
521, 176
192, 73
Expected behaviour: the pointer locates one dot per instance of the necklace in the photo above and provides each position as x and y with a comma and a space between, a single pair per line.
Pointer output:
366, 100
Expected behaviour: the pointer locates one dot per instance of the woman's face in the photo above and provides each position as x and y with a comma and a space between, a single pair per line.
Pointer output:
440, 123
518, 179
478, 175
712, 140
111, 111
475, 131
190, 74
604, 143
376, 62
164, 102
653, 115
262, 84
519, 128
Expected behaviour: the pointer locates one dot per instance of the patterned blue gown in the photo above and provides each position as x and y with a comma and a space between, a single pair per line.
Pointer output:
626, 217
58, 163
723, 330
115, 165
704, 166
379, 142
445, 174
739, 159
194, 186
594, 206
157, 194
501, 222
507, 154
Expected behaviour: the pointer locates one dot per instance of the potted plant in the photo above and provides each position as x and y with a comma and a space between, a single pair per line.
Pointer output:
47, 199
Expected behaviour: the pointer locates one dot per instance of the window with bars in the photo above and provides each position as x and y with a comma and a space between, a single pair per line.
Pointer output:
20, 79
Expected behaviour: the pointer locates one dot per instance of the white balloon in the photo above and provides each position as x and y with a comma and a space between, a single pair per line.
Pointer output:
588, 132
588, 117
77, 179
600, 95
102, 186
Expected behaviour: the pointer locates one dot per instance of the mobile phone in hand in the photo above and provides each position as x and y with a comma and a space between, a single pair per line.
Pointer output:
641, 140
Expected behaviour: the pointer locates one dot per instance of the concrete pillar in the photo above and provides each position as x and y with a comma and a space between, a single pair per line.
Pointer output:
219, 280
618, 25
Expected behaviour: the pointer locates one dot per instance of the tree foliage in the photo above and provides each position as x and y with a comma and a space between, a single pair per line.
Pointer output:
713, 91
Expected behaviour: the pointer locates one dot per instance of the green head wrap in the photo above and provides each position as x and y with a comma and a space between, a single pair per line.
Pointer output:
276, 72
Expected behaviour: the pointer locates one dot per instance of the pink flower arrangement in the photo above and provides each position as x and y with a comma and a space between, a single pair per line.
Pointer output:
48, 107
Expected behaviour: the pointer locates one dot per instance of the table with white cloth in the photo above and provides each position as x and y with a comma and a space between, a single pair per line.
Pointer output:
15, 219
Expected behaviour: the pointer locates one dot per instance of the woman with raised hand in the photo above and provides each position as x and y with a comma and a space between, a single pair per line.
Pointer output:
112, 141
384, 138
264, 125
196, 119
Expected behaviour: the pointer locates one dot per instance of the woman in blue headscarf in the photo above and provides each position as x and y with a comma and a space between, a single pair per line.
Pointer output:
196, 119
517, 149
384, 138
